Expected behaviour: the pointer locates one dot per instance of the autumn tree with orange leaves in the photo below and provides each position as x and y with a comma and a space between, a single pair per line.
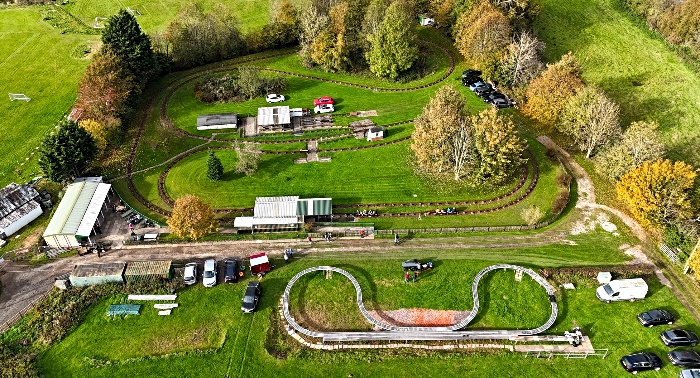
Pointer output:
547, 94
191, 218
106, 89
658, 193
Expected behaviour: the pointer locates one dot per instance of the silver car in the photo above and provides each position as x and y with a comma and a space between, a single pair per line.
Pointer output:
209, 278
190, 273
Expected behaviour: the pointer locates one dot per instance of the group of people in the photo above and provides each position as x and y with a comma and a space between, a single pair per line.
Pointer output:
328, 236
449, 210
288, 254
366, 213
406, 276
575, 337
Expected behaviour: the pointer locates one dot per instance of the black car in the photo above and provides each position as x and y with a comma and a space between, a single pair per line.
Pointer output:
484, 91
231, 270
467, 81
250, 300
679, 337
655, 317
685, 358
500, 103
494, 96
634, 363
470, 73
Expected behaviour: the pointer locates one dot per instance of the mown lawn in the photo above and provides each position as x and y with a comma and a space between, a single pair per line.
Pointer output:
633, 66
209, 330
39, 61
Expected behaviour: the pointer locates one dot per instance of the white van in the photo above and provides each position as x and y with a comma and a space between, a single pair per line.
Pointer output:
622, 290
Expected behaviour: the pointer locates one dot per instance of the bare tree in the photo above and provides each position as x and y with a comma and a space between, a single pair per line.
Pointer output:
249, 155
463, 154
524, 60
591, 119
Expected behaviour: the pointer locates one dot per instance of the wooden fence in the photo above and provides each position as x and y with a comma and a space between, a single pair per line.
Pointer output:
15, 318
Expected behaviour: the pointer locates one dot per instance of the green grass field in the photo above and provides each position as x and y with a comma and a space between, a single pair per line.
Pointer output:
209, 330
633, 66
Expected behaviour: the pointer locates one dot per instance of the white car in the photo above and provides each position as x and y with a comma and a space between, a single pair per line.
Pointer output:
325, 108
273, 97
209, 278
190, 273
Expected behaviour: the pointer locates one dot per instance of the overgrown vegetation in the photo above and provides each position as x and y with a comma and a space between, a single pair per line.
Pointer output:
244, 85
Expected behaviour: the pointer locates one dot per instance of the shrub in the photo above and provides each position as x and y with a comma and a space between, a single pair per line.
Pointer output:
560, 202
563, 180
564, 275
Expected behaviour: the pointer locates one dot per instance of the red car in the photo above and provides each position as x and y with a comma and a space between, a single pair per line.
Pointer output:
325, 100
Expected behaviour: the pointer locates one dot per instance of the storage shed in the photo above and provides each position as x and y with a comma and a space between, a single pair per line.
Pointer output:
274, 116
80, 210
97, 274
19, 205
217, 121
375, 133
147, 270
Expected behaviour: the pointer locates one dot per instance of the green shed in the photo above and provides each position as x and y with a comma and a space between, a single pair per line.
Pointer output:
97, 274
147, 270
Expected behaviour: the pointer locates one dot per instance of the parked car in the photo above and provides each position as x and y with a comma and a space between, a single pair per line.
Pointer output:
689, 373
190, 273
251, 297
655, 317
494, 96
324, 108
274, 97
637, 362
325, 100
622, 290
467, 81
231, 270
500, 103
209, 278
679, 337
484, 91
470, 73
479, 84
685, 358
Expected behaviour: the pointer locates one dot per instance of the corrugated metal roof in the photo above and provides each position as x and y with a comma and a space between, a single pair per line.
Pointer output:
97, 270
148, 268
93, 210
70, 212
275, 207
217, 119
273, 115
18, 214
246, 222
14, 196
315, 206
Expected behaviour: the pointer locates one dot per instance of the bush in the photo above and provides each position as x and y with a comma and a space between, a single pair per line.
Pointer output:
560, 202
248, 84
564, 275
564, 180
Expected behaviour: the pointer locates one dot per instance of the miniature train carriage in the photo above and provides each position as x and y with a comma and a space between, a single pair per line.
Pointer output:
259, 264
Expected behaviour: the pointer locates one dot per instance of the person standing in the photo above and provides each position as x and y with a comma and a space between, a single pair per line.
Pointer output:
406, 277
396, 239
309, 239
415, 276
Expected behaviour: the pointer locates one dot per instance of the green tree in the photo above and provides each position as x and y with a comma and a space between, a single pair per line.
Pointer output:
66, 152
191, 218
640, 142
394, 47
591, 119
123, 36
499, 148
215, 170
658, 193
547, 94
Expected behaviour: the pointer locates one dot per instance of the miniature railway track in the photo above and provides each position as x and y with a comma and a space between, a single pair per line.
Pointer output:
453, 332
